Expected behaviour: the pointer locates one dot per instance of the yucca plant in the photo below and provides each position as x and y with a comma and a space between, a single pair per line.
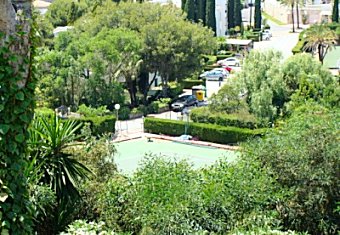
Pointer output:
49, 138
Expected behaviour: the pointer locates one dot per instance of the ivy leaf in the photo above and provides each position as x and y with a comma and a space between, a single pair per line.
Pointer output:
4, 129
20, 138
4, 232
1, 107
20, 95
3, 197
24, 118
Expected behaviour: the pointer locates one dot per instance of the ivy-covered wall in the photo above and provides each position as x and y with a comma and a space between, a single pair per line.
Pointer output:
17, 85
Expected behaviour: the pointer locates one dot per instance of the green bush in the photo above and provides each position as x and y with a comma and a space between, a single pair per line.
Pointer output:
203, 115
205, 132
209, 59
210, 67
188, 83
222, 57
44, 111
99, 125
89, 111
170, 197
124, 113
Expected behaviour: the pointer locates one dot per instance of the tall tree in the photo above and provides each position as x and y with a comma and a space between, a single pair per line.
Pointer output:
210, 15
237, 13
231, 15
335, 12
201, 9
297, 14
183, 2
291, 4
258, 14
190, 9
320, 38
17, 85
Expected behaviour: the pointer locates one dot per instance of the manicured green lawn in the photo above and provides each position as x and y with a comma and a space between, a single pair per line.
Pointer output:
130, 153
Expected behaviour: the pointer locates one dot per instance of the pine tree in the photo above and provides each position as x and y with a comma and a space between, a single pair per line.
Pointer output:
210, 15
190, 10
335, 13
237, 13
201, 5
231, 16
258, 17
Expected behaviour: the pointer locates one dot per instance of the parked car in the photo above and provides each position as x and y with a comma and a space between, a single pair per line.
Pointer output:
184, 101
267, 31
217, 74
266, 35
231, 61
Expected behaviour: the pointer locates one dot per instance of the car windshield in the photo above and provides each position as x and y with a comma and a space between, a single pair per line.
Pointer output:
183, 98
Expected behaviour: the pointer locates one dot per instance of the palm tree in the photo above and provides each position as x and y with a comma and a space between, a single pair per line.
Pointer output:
319, 38
49, 138
291, 4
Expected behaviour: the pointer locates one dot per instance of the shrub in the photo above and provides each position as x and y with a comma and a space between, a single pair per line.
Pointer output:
100, 124
189, 83
44, 111
221, 57
303, 156
89, 111
205, 132
203, 115
124, 113
175, 89
209, 59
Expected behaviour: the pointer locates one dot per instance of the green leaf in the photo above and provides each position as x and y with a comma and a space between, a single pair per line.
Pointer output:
20, 138
4, 232
1, 107
4, 129
25, 118
3, 197
20, 96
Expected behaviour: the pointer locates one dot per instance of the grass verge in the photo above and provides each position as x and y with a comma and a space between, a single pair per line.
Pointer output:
269, 17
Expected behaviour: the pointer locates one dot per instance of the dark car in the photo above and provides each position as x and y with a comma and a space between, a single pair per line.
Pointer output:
184, 101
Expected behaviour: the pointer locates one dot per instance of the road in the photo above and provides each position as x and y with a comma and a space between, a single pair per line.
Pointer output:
283, 40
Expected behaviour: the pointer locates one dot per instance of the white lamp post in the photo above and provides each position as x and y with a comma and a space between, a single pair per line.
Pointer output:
117, 107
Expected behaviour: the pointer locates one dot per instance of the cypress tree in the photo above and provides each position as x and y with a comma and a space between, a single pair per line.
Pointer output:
210, 15
201, 5
258, 14
231, 16
190, 10
237, 13
335, 12
183, 4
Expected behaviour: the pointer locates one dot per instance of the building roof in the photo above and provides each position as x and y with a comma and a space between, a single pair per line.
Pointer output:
332, 58
241, 42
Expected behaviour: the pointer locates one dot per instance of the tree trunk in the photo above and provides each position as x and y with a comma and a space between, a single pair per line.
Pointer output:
293, 17
320, 52
298, 15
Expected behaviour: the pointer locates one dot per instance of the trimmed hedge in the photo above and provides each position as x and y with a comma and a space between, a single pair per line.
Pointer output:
222, 57
100, 124
203, 115
205, 132
188, 84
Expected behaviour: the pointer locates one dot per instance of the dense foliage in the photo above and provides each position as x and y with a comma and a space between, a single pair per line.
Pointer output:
110, 50
303, 155
17, 84
202, 131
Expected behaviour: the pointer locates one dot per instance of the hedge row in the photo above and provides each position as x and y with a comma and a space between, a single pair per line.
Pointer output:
100, 124
222, 57
188, 84
205, 132
203, 115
